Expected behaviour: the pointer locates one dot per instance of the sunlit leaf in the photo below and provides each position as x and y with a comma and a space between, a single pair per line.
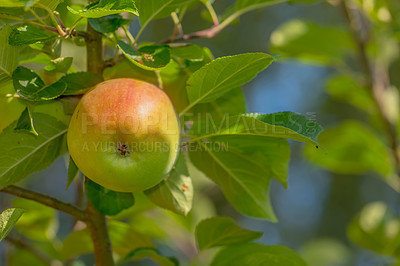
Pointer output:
105, 8
8, 54
22, 153
240, 166
224, 74
279, 125
8, 218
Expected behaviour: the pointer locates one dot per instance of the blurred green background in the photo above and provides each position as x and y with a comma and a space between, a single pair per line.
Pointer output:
319, 211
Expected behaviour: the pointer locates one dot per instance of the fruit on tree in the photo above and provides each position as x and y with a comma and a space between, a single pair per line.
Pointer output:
124, 135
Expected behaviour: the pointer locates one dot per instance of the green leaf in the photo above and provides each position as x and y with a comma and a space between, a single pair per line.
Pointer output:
108, 23
352, 148
73, 171
22, 154
123, 240
12, 3
377, 229
279, 125
28, 34
326, 251
25, 122
188, 53
105, 8
31, 87
224, 74
51, 4
8, 218
248, 5
257, 254
155, 9
239, 165
106, 201
147, 57
222, 231
174, 193
346, 89
61, 64
39, 222
152, 253
79, 83
8, 54
293, 40
232, 103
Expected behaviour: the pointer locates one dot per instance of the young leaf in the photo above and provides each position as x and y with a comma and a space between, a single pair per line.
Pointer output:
237, 164
61, 64
7, 220
153, 254
174, 193
222, 231
106, 201
22, 154
31, 87
257, 254
108, 23
155, 9
223, 74
25, 122
28, 34
73, 171
279, 125
147, 57
79, 83
105, 8
8, 54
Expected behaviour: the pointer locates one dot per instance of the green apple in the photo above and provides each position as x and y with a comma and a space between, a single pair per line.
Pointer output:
124, 135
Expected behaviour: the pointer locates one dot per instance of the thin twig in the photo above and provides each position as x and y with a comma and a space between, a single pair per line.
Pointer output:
22, 243
46, 200
212, 12
377, 81
29, 22
178, 31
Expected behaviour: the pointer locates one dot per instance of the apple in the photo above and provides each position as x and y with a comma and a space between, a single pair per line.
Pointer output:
124, 135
